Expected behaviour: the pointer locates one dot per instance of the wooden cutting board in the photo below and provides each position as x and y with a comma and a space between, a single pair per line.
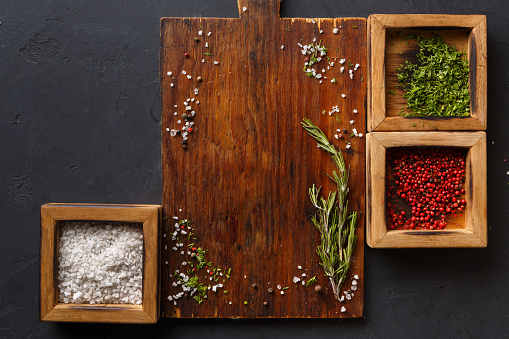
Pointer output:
244, 178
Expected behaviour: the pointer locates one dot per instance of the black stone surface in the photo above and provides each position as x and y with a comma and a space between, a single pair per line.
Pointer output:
79, 122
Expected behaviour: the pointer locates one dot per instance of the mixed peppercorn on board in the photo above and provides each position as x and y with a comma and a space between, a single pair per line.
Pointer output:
237, 165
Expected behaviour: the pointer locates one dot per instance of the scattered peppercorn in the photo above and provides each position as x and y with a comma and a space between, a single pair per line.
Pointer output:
430, 182
186, 55
318, 288
199, 79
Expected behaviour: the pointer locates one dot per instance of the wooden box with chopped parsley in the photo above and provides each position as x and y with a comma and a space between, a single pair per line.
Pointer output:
438, 83
427, 72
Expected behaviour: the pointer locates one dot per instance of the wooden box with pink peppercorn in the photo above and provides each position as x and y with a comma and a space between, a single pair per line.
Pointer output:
426, 189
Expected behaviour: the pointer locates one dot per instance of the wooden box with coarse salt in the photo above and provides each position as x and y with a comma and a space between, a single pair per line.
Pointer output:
389, 47
104, 231
466, 228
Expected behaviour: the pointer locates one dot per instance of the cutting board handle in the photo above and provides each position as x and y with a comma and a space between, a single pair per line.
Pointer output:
259, 9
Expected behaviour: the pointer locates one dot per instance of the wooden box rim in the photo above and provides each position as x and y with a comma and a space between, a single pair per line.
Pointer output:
475, 232
52, 310
477, 54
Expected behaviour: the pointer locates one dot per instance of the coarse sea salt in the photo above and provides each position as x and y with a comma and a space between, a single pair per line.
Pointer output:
100, 263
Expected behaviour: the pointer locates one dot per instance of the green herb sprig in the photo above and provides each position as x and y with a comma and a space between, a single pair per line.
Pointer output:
311, 281
332, 219
438, 84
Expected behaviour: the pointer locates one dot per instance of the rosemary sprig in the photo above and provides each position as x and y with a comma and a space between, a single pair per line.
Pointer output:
336, 226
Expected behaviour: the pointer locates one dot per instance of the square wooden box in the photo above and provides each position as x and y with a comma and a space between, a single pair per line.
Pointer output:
52, 310
472, 228
386, 51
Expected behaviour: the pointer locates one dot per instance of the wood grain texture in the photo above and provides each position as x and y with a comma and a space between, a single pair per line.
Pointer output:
478, 51
244, 179
376, 74
375, 190
101, 212
411, 139
457, 238
428, 20
389, 51
151, 267
52, 310
48, 296
467, 231
476, 189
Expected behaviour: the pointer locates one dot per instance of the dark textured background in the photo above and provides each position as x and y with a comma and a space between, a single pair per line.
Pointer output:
79, 122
